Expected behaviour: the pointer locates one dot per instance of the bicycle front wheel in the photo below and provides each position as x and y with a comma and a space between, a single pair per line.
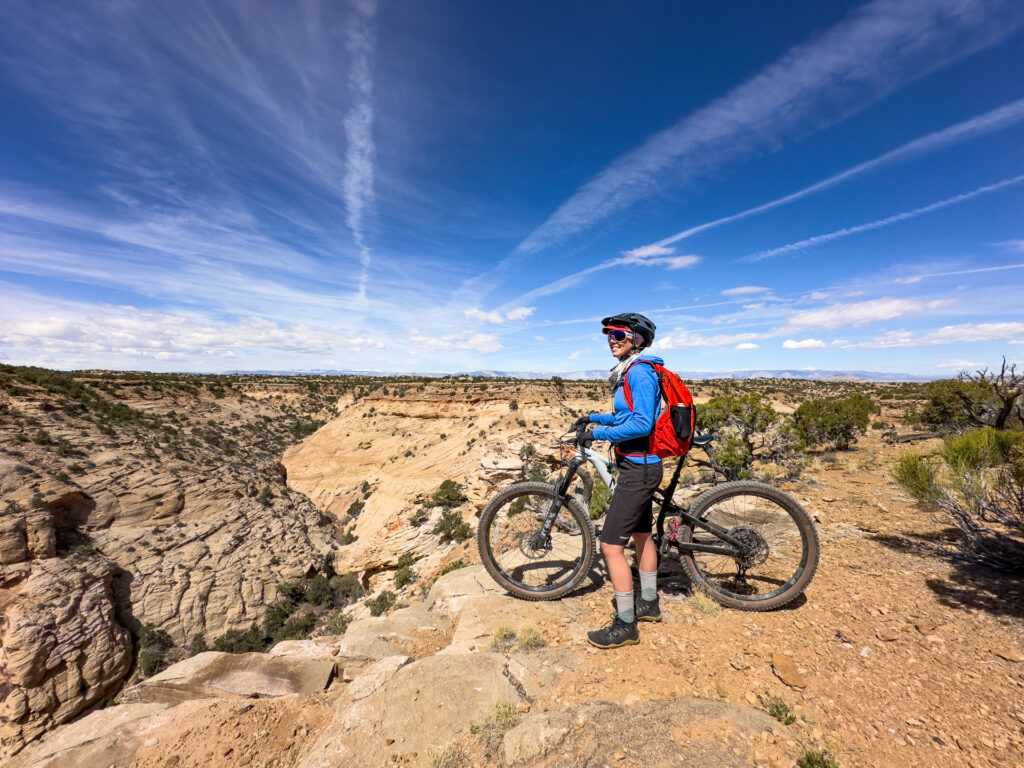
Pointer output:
516, 553
779, 553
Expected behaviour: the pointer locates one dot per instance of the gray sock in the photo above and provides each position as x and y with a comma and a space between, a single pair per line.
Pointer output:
649, 585
624, 606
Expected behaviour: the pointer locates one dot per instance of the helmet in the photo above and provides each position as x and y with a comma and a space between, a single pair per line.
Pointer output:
637, 323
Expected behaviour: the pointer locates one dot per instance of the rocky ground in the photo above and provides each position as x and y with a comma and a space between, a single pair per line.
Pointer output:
897, 655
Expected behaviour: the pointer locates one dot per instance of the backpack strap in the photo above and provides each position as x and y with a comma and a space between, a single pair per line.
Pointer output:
628, 395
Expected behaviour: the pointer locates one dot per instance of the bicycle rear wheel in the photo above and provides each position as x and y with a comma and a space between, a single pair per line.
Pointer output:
780, 553
517, 556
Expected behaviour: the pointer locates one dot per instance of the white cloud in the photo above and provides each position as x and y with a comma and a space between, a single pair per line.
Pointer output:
496, 317
746, 345
888, 220
959, 364
574, 355
744, 290
112, 333
968, 333
873, 51
689, 339
520, 313
804, 344
861, 312
455, 342
647, 251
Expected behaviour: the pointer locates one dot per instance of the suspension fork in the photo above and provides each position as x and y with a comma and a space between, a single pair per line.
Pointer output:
560, 494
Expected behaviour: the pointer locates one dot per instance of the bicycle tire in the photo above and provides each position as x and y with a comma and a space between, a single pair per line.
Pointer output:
524, 575
773, 528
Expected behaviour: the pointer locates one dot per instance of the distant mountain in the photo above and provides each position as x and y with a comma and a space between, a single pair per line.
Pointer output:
596, 375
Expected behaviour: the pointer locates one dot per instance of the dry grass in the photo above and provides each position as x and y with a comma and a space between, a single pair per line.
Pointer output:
502, 717
703, 604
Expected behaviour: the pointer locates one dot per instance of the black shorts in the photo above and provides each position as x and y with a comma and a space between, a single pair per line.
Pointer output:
629, 511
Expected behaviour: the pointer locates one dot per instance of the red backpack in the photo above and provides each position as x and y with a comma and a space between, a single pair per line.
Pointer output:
674, 427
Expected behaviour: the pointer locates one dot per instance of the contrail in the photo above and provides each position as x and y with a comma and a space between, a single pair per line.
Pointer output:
991, 121
359, 159
846, 231
877, 49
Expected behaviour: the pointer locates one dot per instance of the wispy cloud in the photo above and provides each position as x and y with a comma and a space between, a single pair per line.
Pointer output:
497, 317
745, 290
862, 312
682, 339
964, 333
874, 51
452, 342
746, 346
887, 221
999, 118
359, 158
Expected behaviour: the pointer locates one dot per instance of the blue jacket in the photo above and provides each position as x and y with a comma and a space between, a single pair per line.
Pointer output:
625, 424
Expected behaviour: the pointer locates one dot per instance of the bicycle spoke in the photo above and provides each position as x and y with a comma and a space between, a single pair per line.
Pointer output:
513, 540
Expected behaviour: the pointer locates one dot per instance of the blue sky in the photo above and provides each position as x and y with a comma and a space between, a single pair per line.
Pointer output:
447, 186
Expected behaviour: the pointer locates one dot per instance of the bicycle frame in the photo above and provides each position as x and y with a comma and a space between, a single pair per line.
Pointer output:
601, 465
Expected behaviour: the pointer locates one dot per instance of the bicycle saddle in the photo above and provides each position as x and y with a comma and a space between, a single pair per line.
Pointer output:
703, 439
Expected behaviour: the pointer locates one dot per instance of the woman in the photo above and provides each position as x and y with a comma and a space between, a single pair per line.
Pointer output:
640, 473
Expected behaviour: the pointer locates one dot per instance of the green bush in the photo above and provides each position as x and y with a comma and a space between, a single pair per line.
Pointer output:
381, 603
276, 616
949, 405
419, 517
405, 573
319, 592
451, 527
778, 708
347, 589
976, 478
449, 494
266, 496
296, 628
337, 621
814, 758
747, 430
198, 645
290, 590
238, 641
834, 423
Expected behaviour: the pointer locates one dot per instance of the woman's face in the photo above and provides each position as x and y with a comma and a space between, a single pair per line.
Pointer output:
620, 348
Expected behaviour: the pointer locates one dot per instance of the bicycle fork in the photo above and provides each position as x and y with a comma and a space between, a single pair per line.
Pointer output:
561, 493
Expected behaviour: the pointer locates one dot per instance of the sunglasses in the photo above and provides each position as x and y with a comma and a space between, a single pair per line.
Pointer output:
616, 334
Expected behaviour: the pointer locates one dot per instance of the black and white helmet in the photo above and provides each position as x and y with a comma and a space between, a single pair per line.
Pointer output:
635, 322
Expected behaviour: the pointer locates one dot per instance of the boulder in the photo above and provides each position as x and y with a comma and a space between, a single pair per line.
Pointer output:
424, 705
62, 649
106, 737
216, 674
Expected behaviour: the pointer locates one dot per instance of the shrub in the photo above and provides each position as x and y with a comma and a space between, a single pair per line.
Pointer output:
814, 758
778, 708
276, 616
154, 646
337, 621
748, 429
451, 756
503, 640
419, 517
834, 423
266, 496
198, 645
290, 590
976, 478
381, 603
38, 502
355, 508
491, 731
454, 567
405, 573
319, 592
449, 494
238, 641
296, 628
451, 527
530, 639
347, 589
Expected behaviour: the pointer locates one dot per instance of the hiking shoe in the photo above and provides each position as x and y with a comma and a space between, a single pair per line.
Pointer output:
615, 635
647, 610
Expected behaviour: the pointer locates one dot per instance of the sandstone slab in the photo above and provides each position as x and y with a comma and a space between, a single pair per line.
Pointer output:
215, 674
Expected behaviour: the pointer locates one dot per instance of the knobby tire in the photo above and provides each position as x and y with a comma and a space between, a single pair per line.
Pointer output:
778, 524
503, 535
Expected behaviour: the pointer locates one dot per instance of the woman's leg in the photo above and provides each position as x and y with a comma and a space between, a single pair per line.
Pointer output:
618, 567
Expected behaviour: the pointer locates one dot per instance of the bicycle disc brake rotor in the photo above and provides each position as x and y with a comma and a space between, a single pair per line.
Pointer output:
754, 548
534, 545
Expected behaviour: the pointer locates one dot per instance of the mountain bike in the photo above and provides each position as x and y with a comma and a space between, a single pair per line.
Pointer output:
745, 544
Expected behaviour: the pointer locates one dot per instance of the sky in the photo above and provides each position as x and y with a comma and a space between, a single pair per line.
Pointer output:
452, 185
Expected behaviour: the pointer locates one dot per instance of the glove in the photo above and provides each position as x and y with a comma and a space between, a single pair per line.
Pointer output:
582, 421
586, 439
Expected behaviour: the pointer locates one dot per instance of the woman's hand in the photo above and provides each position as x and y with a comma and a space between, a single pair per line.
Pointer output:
582, 421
